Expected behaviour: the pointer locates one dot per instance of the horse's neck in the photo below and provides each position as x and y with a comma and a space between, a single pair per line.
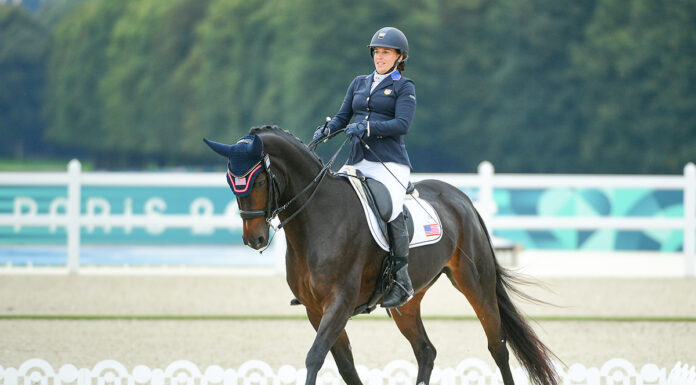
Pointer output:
307, 232
323, 210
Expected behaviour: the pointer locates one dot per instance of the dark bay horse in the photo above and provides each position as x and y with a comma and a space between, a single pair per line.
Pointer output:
332, 262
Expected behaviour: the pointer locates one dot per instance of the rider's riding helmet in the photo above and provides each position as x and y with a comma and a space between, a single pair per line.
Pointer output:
389, 37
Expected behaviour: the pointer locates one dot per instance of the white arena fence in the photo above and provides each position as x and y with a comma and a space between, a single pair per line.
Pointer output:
471, 371
201, 216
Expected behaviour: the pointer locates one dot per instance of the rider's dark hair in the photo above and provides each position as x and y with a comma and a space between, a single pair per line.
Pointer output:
402, 66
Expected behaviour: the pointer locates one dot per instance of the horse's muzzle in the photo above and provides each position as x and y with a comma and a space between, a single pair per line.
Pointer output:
255, 233
256, 242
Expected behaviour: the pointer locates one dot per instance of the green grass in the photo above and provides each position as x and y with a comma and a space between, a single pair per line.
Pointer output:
226, 317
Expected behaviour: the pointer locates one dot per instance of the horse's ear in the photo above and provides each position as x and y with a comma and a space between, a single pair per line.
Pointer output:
257, 146
222, 149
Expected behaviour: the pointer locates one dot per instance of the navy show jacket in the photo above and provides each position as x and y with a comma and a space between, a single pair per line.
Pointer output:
389, 109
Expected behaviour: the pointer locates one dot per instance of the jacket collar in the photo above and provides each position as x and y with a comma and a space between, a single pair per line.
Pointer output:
383, 84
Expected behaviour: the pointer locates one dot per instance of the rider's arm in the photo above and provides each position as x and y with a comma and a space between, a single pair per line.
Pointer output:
403, 114
345, 113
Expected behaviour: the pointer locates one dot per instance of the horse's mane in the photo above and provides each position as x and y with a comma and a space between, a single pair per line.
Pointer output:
288, 136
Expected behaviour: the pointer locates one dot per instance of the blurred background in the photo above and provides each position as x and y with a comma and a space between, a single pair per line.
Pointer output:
538, 88
542, 86
535, 87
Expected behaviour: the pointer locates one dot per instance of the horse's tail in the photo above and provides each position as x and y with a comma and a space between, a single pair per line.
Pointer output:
526, 345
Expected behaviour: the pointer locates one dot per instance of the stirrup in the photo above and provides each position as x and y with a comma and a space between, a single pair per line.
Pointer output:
403, 299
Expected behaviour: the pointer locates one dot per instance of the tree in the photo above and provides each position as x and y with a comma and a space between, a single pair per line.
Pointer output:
23, 44
77, 61
143, 98
52, 12
639, 86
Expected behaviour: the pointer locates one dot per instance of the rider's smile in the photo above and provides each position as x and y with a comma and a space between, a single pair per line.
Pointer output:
384, 59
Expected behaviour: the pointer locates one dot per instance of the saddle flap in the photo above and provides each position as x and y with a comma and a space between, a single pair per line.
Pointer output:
422, 221
381, 197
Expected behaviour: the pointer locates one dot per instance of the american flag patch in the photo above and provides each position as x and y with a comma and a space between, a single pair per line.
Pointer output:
432, 230
240, 181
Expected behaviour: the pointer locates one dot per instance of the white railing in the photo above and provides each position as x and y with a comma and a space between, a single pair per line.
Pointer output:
470, 371
486, 180
201, 215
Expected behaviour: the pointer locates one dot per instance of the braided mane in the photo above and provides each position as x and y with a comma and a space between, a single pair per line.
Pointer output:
288, 136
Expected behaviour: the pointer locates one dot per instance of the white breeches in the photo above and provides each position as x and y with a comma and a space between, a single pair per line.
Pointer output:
396, 186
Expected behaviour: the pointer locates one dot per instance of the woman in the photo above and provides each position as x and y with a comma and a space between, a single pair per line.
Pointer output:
383, 104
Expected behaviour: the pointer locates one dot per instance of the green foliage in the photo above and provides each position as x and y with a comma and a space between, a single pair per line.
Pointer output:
51, 12
532, 86
639, 85
142, 100
75, 108
23, 43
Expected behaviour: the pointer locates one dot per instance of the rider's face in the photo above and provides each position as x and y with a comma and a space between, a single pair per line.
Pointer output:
384, 59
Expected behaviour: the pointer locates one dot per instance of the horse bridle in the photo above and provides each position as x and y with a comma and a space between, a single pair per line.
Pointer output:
274, 193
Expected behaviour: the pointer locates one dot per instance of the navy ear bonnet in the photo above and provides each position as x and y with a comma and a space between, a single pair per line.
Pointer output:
245, 162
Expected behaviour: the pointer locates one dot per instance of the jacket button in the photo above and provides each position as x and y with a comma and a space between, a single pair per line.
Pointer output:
367, 118
368, 108
368, 98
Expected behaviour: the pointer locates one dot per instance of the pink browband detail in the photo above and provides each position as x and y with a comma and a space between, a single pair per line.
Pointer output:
248, 178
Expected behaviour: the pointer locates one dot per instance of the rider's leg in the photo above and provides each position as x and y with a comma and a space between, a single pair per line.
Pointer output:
402, 290
395, 178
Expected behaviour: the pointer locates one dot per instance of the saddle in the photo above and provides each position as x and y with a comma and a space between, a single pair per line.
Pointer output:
422, 222
380, 203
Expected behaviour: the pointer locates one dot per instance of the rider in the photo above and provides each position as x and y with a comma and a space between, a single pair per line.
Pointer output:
383, 104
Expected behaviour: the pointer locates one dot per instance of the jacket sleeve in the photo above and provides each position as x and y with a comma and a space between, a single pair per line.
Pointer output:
345, 113
404, 111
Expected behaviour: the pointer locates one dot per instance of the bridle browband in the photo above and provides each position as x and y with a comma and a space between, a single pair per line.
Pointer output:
274, 192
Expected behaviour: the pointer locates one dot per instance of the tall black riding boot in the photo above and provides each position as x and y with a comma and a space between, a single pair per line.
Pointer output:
402, 289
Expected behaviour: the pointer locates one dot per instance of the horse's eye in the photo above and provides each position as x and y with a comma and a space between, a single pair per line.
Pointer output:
260, 182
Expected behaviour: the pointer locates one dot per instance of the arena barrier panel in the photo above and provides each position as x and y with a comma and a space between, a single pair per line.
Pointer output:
71, 207
471, 371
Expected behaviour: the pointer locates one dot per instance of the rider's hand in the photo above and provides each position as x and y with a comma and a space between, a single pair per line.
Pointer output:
319, 133
356, 129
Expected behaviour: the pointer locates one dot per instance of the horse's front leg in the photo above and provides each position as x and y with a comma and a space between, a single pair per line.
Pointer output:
334, 320
341, 352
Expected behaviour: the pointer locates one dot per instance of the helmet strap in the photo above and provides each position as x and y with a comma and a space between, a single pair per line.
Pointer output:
396, 63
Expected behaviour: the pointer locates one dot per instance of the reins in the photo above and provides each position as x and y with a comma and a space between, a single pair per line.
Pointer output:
274, 190
316, 181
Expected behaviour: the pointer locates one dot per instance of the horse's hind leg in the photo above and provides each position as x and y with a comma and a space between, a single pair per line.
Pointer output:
411, 326
481, 293
341, 352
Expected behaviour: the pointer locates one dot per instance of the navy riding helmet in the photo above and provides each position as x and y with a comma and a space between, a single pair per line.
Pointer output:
389, 37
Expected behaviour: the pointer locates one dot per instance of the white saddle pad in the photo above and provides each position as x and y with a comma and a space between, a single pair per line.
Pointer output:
426, 223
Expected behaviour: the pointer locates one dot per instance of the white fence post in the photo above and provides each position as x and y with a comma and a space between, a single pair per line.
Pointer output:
689, 218
74, 213
485, 202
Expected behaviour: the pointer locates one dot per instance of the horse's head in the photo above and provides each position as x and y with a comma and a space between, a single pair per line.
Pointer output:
248, 177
